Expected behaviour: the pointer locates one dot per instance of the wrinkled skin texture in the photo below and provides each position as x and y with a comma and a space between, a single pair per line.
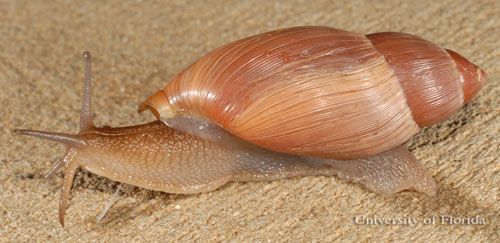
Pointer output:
156, 157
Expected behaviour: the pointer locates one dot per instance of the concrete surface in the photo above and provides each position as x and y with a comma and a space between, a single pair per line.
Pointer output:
138, 45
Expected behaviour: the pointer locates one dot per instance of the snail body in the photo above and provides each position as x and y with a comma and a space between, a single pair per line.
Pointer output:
224, 118
320, 91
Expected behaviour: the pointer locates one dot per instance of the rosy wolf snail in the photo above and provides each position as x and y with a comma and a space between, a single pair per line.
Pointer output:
292, 102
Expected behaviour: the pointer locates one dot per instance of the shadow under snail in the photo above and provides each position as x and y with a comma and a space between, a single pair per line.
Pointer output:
292, 102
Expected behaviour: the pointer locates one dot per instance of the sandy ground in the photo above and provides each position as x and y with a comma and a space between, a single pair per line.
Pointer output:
138, 46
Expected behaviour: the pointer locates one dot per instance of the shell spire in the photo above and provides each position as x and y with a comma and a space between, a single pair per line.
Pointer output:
471, 76
436, 81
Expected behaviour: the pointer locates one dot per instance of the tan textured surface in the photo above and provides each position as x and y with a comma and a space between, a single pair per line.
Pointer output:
138, 46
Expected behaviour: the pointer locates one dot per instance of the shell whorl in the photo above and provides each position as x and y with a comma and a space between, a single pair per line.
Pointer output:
315, 91
428, 75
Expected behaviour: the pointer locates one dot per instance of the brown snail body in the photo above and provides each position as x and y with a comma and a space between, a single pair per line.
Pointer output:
320, 91
238, 114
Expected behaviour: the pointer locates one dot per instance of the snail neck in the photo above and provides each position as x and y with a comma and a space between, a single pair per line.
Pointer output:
192, 124
202, 128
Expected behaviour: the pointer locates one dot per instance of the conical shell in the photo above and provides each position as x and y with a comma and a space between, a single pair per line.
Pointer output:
314, 91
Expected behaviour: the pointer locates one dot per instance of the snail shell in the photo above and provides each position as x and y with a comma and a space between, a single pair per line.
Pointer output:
320, 91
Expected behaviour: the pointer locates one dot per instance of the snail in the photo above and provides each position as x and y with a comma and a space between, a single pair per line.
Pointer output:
292, 102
